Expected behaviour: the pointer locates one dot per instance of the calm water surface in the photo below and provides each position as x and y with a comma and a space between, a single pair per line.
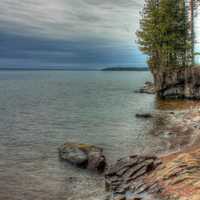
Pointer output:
40, 110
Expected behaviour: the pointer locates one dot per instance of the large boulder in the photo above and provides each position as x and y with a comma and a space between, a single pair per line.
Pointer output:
83, 155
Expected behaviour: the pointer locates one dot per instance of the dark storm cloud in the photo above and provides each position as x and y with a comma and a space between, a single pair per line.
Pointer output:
22, 50
69, 31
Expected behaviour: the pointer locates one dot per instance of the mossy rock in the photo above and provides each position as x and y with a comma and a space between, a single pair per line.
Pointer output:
83, 155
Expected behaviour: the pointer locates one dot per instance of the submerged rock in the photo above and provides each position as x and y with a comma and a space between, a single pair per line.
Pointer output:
83, 155
144, 115
73, 154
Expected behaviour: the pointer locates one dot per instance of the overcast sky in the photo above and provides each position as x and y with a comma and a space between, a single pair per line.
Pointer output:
70, 33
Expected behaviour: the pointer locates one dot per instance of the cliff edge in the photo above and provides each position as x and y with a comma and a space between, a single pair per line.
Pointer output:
178, 83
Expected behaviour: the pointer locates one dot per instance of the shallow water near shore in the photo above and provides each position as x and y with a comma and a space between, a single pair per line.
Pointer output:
40, 110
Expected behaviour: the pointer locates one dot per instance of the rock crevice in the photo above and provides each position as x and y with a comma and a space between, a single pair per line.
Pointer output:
127, 175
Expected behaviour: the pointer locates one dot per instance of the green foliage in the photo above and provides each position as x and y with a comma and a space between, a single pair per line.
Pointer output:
163, 34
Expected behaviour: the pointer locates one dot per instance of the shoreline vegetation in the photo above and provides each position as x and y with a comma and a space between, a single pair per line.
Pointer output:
167, 36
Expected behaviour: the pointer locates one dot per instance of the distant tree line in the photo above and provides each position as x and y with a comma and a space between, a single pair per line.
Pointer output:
166, 33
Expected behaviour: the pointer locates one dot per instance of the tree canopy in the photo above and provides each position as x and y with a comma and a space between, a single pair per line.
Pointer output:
163, 34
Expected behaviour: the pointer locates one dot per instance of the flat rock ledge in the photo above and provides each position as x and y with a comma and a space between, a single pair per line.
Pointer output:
83, 155
126, 178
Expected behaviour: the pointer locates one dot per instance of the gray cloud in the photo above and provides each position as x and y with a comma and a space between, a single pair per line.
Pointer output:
108, 19
69, 32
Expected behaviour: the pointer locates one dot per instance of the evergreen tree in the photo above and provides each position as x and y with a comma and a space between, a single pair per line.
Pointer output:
163, 34
148, 35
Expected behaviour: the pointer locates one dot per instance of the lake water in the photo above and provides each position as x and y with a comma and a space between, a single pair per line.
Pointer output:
40, 110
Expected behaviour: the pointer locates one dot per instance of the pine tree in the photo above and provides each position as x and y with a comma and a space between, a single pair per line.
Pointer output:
163, 34
148, 35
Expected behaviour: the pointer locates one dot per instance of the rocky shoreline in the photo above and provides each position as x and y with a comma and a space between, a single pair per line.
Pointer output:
148, 88
181, 83
162, 176
174, 174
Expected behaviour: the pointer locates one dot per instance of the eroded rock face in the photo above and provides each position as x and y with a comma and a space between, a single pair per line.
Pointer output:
179, 83
127, 175
83, 155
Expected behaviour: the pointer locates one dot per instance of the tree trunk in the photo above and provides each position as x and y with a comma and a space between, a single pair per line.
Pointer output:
192, 30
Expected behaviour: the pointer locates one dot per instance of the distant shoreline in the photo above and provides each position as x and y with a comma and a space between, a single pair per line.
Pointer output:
61, 69
45, 69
